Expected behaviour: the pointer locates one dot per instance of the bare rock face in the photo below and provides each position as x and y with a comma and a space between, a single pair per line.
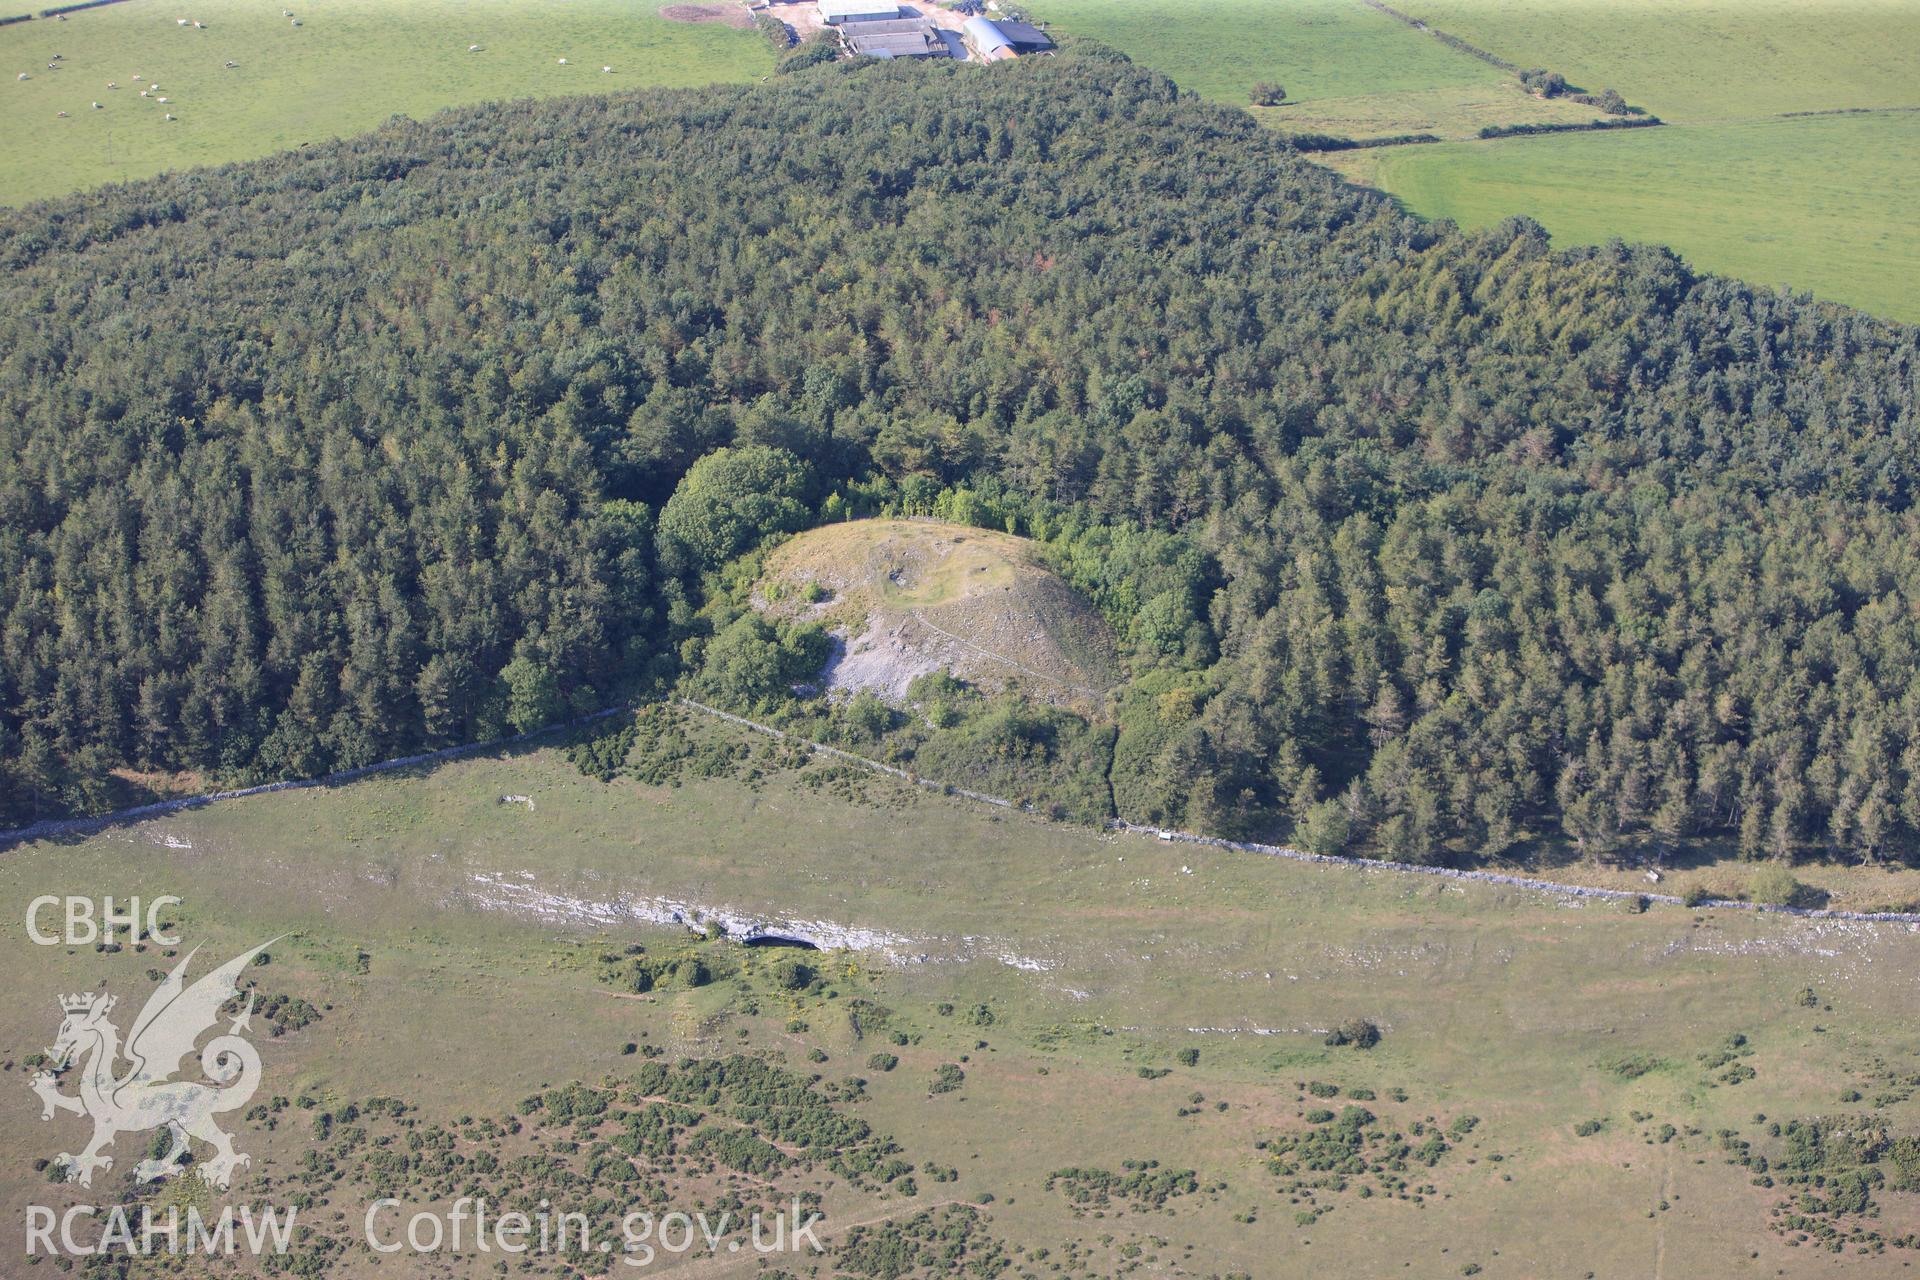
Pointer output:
906, 598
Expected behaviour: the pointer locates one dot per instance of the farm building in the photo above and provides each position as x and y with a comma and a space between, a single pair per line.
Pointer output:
993, 40
900, 38
837, 12
1024, 36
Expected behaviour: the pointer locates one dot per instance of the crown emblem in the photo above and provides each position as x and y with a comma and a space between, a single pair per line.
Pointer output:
79, 1002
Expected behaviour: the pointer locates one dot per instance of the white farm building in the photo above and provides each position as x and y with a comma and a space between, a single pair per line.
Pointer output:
836, 12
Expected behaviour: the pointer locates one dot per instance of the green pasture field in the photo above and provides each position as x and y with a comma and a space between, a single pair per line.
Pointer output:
1095, 955
1734, 181
1815, 203
349, 65
1347, 69
1701, 61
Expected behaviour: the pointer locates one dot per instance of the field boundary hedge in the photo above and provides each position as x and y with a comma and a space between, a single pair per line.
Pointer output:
1451, 41
1312, 142
1592, 126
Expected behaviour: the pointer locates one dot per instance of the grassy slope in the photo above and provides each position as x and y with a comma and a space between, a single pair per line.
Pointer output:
350, 65
1497, 1003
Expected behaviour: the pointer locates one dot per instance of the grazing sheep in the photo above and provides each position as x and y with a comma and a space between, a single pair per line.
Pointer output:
169, 115
606, 70
296, 22
163, 99
62, 115
231, 64
563, 62
181, 21
23, 76
473, 48
96, 106
113, 84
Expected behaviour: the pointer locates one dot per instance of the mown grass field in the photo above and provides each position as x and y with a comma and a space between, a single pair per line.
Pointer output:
1733, 182
1097, 955
350, 65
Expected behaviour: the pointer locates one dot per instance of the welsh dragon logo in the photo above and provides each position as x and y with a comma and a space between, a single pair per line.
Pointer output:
145, 1095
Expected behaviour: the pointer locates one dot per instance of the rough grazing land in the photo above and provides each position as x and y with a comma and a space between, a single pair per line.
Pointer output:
1560, 1080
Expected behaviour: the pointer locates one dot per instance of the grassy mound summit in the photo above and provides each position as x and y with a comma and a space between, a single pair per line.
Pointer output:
911, 597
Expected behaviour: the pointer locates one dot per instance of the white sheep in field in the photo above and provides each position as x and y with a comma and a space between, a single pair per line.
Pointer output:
96, 106
23, 76
163, 99
169, 115
181, 21
563, 62
606, 70
473, 48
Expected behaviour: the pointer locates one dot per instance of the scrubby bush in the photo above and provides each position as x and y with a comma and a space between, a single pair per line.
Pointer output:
1358, 1033
815, 51
1778, 886
793, 974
